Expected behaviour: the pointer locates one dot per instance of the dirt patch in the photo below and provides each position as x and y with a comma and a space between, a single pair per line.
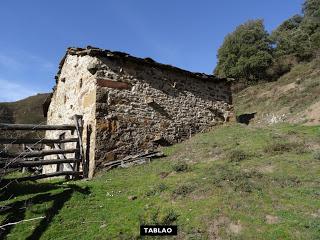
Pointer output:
215, 226
286, 88
266, 169
312, 114
164, 174
316, 214
235, 228
272, 219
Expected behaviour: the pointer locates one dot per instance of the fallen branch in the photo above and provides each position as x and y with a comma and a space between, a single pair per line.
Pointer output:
27, 220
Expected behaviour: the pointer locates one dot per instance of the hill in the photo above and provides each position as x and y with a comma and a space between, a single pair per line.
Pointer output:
293, 98
234, 182
28, 110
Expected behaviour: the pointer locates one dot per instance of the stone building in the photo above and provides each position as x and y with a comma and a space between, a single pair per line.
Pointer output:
132, 105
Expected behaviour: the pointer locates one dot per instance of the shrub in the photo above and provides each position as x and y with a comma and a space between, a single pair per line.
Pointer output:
169, 217
237, 155
157, 189
158, 217
316, 155
222, 175
282, 147
183, 190
286, 181
180, 167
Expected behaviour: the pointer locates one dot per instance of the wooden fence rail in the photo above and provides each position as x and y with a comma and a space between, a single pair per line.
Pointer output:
44, 153
5, 126
20, 162
35, 140
33, 154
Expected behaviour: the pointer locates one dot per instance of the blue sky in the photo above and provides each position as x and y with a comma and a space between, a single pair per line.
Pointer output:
184, 33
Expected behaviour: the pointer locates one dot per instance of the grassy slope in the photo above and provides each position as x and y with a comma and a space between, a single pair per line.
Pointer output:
241, 183
296, 95
28, 110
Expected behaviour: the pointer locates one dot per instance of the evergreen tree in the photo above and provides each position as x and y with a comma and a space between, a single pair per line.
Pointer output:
246, 53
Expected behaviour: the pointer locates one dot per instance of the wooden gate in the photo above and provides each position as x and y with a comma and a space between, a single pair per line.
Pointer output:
33, 152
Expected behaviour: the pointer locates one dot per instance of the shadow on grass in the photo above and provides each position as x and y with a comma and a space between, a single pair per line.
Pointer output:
16, 211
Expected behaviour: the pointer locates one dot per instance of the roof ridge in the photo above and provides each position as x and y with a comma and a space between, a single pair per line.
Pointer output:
96, 52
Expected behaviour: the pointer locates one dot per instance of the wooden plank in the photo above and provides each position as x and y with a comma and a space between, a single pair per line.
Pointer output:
6, 126
20, 162
132, 159
104, 82
43, 153
47, 175
80, 154
35, 141
63, 157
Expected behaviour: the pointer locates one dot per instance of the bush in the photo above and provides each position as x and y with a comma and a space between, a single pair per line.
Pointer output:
180, 167
158, 217
316, 155
169, 217
237, 155
157, 189
183, 190
222, 175
282, 147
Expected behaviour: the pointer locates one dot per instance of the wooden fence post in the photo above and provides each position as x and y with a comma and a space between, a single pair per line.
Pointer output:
79, 129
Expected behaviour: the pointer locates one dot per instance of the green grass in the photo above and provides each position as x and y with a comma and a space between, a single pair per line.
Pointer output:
225, 183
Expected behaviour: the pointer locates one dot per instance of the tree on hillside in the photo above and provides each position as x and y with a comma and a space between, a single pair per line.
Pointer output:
311, 8
288, 50
284, 36
246, 53
311, 24
299, 36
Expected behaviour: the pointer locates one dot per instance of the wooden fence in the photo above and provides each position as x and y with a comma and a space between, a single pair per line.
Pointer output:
34, 157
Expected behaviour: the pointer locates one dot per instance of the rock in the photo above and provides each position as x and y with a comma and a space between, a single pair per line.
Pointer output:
164, 174
132, 197
103, 225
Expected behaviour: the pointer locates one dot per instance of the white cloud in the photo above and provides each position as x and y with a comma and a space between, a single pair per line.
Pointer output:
13, 91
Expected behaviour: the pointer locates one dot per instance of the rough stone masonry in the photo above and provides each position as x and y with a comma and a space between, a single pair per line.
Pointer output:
132, 105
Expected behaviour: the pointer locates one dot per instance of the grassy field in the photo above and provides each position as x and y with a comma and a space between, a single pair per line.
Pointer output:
234, 182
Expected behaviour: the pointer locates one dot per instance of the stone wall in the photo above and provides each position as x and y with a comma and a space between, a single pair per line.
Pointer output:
132, 105
141, 106
75, 93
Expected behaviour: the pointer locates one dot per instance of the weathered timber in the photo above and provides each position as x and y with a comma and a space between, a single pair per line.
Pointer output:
80, 154
35, 140
47, 175
6, 126
44, 153
146, 156
20, 162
